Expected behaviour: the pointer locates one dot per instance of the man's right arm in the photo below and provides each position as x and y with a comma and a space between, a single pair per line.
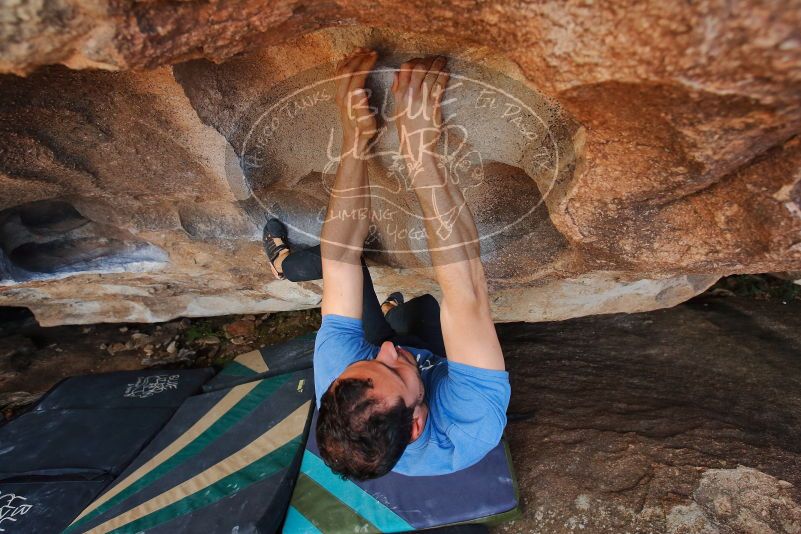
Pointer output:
467, 326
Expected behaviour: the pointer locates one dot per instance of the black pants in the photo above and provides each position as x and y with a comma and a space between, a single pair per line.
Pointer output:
414, 323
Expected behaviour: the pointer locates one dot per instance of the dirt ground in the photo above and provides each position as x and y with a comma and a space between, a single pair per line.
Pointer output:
33, 359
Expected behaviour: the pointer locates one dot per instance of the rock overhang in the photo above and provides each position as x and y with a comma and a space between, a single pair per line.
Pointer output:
671, 178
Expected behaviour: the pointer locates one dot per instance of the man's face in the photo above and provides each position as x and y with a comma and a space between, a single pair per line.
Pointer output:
394, 374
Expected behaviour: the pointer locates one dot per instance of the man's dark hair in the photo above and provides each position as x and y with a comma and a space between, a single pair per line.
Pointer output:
358, 436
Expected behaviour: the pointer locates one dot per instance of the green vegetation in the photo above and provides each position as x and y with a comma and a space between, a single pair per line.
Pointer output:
202, 329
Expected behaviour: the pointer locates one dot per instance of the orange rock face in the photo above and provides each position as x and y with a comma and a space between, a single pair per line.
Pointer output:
669, 133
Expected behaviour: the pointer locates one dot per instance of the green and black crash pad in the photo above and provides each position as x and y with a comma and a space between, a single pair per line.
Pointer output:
225, 462
65, 442
324, 502
286, 357
57, 457
94, 424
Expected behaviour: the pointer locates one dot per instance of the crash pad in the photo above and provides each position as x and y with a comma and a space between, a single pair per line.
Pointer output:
225, 462
273, 360
325, 502
58, 456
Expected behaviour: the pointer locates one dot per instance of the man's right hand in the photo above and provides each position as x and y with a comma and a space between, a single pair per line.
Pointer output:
453, 241
417, 89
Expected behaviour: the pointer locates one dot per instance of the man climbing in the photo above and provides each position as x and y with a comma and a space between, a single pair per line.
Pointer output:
387, 397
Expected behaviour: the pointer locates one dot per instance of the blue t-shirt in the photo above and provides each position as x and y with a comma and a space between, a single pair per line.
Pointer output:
466, 404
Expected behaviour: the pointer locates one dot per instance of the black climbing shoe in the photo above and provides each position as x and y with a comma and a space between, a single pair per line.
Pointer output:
274, 229
395, 299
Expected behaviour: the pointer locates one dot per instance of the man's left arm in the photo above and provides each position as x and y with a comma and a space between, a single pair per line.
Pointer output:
347, 218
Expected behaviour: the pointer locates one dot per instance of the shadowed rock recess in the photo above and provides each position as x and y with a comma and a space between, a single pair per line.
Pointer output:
616, 156
678, 421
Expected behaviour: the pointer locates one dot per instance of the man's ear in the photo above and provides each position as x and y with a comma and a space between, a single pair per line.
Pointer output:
418, 423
